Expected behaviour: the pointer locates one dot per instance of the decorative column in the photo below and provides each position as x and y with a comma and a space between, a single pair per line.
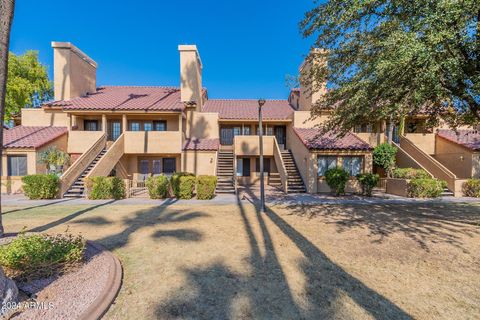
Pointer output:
104, 123
124, 123
69, 116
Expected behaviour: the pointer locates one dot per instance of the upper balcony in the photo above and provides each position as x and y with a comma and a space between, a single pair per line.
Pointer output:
250, 145
151, 142
153, 134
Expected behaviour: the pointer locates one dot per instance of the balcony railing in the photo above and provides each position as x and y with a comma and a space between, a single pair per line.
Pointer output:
153, 142
81, 141
250, 145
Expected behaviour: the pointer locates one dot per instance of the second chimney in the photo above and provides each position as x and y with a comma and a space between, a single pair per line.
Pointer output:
74, 73
190, 75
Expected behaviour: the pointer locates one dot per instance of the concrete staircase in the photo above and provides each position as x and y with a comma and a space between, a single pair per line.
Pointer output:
77, 189
274, 180
225, 172
295, 182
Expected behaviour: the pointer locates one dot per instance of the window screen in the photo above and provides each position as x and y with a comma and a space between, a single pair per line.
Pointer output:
353, 165
90, 125
325, 163
17, 165
143, 166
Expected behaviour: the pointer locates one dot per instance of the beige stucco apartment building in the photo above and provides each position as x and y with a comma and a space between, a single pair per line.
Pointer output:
137, 131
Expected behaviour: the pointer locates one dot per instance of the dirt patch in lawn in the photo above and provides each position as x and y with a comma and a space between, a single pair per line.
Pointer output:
343, 261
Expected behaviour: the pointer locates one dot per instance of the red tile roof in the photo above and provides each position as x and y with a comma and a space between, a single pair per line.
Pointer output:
248, 109
126, 98
313, 139
201, 144
468, 138
31, 137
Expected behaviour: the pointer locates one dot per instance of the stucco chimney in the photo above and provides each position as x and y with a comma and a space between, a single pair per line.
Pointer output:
190, 75
74, 73
310, 90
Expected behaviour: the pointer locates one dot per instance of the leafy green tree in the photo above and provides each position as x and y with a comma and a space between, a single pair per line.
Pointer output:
54, 159
27, 83
384, 156
387, 59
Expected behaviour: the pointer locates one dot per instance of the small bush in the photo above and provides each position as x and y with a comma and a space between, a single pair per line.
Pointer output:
206, 187
384, 156
183, 184
41, 255
410, 173
368, 182
105, 188
337, 180
425, 188
158, 187
41, 186
471, 188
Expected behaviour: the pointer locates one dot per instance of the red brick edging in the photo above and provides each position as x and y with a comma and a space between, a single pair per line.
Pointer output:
114, 282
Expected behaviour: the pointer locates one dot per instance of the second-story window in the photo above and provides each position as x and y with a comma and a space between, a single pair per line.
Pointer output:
135, 126
90, 125
147, 126
160, 125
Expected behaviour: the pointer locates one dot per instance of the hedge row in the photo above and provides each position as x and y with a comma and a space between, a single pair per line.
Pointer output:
41, 186
471, 188
425, 188
410, 173
182, 185
105, 188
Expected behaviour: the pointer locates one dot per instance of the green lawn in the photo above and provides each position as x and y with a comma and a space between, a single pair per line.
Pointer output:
312, 262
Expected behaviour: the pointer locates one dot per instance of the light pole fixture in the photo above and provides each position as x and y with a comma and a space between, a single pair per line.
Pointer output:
261, 102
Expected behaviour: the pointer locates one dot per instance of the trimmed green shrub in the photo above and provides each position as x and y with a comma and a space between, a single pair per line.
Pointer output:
384, 156
471, 188
368, 182
425, 188
206, 187
105, 188
183, 184
158, 187
41, 255
41, 186
410, 173
337, 180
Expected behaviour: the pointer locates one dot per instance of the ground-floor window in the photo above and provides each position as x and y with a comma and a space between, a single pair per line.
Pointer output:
325, 163
157, 166
266, 165
353, 165
243, 167
17, 165
169, 165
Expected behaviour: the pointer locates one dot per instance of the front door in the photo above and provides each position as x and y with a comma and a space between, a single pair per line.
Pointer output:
114, 130
280, 135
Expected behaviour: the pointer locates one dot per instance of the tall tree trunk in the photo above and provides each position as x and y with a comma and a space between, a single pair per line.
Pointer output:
390, 131
6, 18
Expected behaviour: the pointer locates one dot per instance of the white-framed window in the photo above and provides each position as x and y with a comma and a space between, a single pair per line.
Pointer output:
353, 165
325, 163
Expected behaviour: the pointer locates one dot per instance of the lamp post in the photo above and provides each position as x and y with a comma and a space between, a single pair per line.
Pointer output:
261, 102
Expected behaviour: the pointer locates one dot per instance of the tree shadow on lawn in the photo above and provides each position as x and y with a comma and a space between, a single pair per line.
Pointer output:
424, 223
50, 203
69, 217
216, 292
151, 217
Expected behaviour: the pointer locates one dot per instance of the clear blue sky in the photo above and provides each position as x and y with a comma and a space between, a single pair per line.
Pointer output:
247, 47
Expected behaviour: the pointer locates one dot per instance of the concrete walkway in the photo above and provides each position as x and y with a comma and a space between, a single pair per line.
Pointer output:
251, 194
